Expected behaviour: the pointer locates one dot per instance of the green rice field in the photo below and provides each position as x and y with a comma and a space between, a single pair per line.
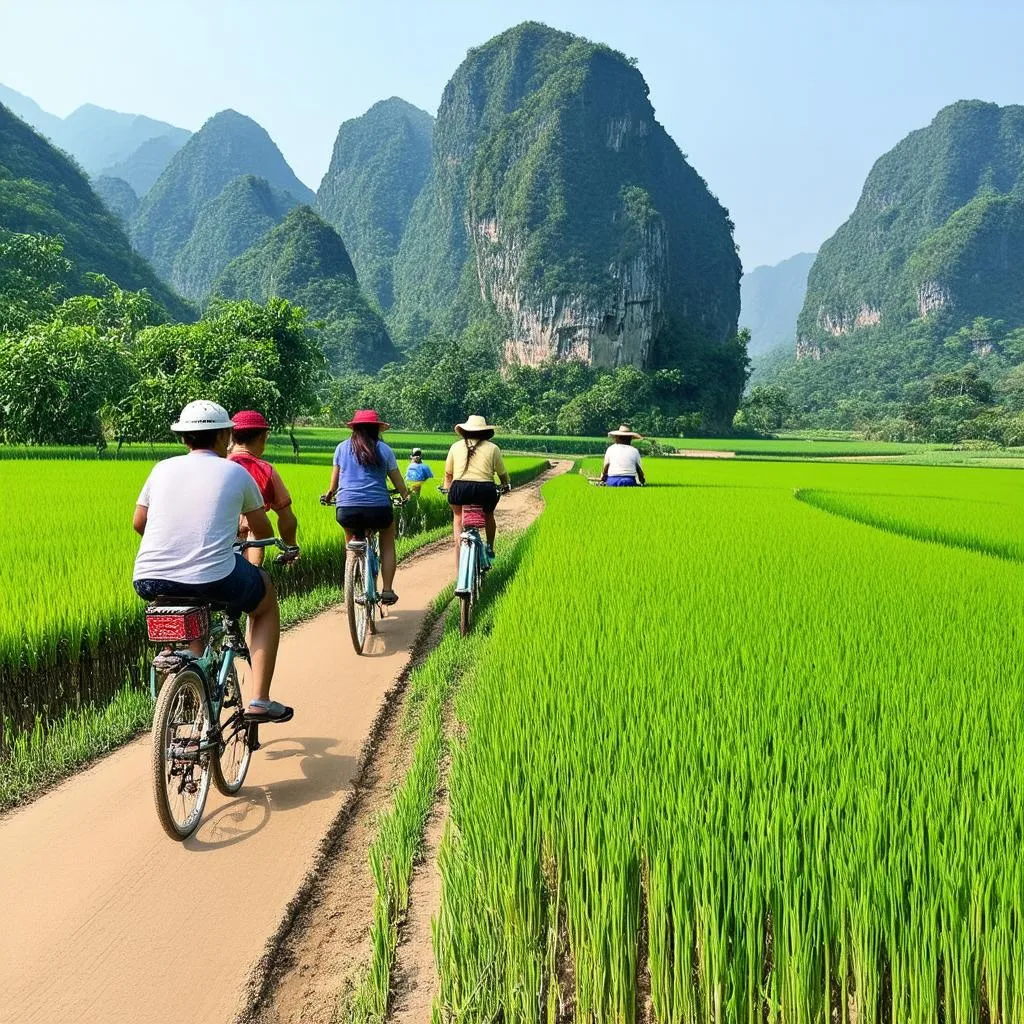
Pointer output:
729, 756
71, 628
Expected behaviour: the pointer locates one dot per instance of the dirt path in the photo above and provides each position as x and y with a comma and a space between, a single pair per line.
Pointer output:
300, 979
105, 919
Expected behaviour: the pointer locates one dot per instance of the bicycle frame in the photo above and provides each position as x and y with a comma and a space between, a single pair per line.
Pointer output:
473, 561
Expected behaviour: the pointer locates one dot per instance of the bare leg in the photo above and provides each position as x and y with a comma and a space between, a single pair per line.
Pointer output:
492, 529
264, 635
387, 556
457, 529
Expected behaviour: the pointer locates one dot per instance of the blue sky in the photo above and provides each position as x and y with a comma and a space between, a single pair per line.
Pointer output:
782, 105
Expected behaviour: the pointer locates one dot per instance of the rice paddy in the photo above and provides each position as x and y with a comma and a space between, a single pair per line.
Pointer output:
729, 757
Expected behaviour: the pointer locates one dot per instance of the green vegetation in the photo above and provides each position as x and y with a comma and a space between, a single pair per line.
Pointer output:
379, 165
227, 225
43, 192
71, 630
118, 197
227, 146
142, 168
304, 260
773, 802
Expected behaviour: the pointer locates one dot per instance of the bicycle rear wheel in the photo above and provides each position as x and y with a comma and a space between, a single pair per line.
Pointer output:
180, 770
230, 767
467, 599
357, 610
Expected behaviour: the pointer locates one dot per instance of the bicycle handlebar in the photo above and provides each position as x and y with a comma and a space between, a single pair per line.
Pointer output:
500, 488
288, 553
396, 499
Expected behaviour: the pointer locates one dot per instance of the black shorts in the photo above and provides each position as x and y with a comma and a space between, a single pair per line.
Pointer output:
473, 492
358, 519
240, 591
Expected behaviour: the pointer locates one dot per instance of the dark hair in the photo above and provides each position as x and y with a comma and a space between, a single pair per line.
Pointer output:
201, 440
364, 444
250, 434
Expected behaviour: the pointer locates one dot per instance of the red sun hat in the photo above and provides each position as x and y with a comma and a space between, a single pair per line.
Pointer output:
367, 418
249, 419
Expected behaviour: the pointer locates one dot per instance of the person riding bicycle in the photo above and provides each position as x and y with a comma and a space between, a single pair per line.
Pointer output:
622, 467
187, 515
417, 471
469, 471
248, 442
362, 467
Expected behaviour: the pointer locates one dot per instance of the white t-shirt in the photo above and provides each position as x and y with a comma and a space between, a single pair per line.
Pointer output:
622, 460
194, 502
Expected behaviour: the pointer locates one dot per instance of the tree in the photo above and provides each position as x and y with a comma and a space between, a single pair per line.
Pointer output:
767, 408
33, 270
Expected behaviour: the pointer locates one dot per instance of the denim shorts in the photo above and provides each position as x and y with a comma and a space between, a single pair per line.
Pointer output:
240, 591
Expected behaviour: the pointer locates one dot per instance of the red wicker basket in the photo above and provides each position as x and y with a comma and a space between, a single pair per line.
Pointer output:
174, 623
473, 515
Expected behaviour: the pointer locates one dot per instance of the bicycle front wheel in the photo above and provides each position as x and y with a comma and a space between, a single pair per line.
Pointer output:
180, 769
232, 763
355, 601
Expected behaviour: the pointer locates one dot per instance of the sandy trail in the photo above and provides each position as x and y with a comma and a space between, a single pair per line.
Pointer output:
105, 919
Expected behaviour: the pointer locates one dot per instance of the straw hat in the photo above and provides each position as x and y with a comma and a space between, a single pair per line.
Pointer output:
624, 431
367, 418
475, 425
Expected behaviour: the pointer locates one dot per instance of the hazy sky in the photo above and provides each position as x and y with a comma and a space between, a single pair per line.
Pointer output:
782, 105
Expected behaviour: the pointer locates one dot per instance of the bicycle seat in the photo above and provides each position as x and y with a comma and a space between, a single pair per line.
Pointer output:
356, 545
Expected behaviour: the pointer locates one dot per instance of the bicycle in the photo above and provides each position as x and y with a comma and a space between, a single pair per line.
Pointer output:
362, 598
474, 562
193, 741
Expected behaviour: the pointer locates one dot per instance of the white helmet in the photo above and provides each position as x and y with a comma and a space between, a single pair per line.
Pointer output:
202, 415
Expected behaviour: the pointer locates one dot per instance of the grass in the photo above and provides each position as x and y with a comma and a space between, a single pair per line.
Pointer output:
765, 763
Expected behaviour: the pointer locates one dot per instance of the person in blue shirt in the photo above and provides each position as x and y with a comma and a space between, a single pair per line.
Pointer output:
359, 487
417, 472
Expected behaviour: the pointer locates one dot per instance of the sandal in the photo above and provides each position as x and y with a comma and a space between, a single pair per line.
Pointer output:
388, 598
268, 711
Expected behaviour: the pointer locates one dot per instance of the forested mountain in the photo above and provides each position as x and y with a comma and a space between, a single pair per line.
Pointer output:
304, 260
913, 324
42, 191
557, 196
240, 214
141, 168
103, 141
770, 302
379, 165
937, 229
118, 197
227, 146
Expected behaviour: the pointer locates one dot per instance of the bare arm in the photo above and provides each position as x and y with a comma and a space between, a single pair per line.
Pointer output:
140, 519
333, 489
604, 469
287, 525
259, 524
395, 476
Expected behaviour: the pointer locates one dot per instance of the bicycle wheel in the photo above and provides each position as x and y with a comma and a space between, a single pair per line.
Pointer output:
181, 772
230, 766
373, 574
358, 612
468, 599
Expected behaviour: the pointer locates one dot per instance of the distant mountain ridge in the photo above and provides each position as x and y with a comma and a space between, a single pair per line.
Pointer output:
378, 167
104, 142
227, 147
42, 191
771, 298
303, 259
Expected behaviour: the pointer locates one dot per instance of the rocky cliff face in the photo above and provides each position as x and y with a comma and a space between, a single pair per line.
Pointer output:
558, 200
937, 232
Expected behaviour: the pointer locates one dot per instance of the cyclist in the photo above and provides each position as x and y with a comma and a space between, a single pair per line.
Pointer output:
249, 440
187, 515
417, 472
469, 471
622, 466
362, 467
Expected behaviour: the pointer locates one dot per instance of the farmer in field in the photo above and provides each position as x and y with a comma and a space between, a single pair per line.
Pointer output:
249, 435
187, 515
417, 472
622, 466
469, 471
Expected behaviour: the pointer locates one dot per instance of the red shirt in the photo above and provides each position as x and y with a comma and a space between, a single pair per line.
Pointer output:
272, 488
